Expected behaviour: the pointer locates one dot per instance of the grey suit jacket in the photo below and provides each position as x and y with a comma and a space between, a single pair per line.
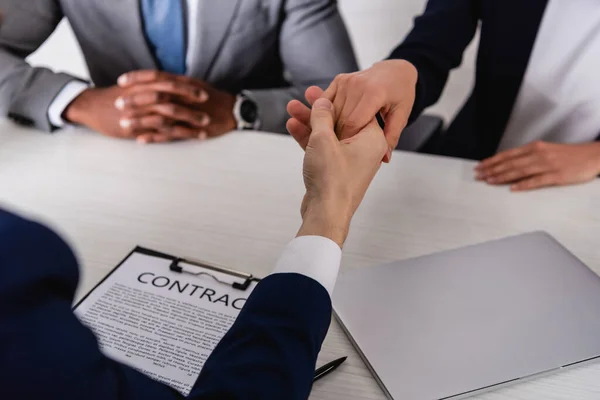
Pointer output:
273, 48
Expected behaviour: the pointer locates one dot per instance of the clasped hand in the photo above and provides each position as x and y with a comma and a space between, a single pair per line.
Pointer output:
153, 106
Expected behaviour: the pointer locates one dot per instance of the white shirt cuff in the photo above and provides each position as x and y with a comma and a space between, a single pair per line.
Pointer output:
62, 101
316, 257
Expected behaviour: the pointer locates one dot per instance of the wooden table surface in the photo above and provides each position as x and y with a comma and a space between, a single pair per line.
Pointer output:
235, 201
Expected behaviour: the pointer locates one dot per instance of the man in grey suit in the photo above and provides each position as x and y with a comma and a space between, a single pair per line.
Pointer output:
171, 69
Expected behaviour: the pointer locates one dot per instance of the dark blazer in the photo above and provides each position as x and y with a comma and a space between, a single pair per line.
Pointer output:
436, 45
46, 353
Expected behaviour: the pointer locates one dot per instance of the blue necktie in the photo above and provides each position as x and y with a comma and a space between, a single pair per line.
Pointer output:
164, 26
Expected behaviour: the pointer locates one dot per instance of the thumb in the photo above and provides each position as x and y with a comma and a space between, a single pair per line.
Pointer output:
369, 143
322, 116
395, 122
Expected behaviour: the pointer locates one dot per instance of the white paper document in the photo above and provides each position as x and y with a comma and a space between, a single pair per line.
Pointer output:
162, 323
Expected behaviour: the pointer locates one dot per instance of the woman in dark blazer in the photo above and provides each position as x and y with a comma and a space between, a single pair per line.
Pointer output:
532, 115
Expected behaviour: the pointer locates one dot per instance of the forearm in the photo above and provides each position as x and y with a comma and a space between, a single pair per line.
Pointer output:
26, 93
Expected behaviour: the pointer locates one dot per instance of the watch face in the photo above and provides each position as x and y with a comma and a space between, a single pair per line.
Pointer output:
249, 111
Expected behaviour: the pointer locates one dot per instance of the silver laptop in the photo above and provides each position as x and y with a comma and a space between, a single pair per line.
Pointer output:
453, 324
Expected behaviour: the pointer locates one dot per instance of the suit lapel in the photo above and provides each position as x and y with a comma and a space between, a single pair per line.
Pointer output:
137, 37
516, 30
214, 20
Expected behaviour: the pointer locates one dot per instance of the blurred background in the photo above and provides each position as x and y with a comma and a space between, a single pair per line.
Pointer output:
376, 27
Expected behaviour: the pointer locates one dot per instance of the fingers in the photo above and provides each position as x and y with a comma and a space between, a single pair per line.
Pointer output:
485, 166
147, 76
143, 76
299, 131
133, 127
173, 112
299, 111
536, 182
356, 102
313, 93
160, 92
137, 100
170, 134
512, 170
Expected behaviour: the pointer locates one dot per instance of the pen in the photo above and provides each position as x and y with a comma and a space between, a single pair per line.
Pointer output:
327, 368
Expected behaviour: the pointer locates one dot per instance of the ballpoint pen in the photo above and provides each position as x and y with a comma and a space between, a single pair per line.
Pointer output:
327, 368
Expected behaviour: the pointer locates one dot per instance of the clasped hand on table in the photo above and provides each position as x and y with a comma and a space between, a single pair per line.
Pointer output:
153, 106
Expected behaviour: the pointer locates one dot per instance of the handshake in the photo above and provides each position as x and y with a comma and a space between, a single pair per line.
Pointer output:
344, 143
337, 173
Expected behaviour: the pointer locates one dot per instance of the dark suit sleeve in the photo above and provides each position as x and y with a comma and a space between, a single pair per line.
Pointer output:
46, 353
436, 45
271, 351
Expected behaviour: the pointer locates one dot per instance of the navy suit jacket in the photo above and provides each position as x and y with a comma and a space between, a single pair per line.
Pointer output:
436, 45
46, 353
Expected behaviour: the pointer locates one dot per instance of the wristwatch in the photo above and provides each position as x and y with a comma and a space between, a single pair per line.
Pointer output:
245, 112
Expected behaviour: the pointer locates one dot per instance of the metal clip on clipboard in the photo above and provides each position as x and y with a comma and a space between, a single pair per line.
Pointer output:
248, 278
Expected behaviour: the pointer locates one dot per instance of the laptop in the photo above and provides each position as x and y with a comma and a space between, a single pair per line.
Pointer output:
457, 323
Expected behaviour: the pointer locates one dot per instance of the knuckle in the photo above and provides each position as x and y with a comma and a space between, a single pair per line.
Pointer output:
171, 85
358, 79
538, 145
170, 109
166, 129
528, 171
160, 121
559, 177
157, 97
548, 159
191, 90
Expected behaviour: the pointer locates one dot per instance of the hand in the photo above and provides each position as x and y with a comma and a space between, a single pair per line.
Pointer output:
337, 173
95, 108
100, 109
542, 164
154, 99
388, 87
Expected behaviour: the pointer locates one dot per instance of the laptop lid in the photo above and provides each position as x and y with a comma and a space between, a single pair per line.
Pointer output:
452, 324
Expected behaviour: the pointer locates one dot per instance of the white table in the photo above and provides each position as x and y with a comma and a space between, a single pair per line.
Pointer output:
235, 201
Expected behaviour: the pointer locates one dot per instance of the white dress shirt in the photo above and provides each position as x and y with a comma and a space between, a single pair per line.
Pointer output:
316, 257
75, 88
559, 100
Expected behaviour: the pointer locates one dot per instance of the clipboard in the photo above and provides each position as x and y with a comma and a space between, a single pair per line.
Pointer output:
143, 313
245, 279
